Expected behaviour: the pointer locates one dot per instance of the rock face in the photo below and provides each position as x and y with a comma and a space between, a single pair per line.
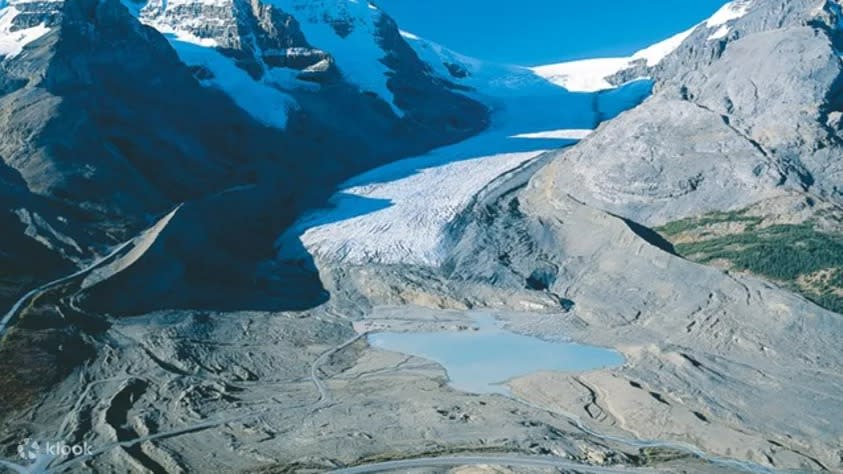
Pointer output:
738, 114
345, 56
88, 126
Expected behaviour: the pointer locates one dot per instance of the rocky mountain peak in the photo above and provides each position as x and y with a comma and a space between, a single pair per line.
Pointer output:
759, 83
344, 16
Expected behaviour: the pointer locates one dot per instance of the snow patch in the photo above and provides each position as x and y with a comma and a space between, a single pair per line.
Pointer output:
264, 99
409, 36
729, 12
357, 52
564, 134
657, 52
721, 32
13, 42
263, 102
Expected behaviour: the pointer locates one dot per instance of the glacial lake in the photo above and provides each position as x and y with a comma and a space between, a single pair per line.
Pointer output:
480, 361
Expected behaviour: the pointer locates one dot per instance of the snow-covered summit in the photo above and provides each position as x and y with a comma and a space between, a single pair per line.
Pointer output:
728, 13
592, 74
259, 52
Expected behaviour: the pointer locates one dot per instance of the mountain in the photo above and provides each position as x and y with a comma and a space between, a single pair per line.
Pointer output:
739, 114
287, 54
108, 123
739, 145
214, 204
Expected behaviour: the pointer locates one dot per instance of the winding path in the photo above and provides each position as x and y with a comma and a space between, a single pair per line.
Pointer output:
501, 460
325, 397
32, 294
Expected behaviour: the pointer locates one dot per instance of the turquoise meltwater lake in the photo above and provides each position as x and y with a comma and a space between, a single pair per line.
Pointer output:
481, 360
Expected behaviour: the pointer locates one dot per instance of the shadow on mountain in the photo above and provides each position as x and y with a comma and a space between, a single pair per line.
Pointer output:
215, 253
649, 235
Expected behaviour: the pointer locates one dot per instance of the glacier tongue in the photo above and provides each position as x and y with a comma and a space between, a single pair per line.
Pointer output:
400, 213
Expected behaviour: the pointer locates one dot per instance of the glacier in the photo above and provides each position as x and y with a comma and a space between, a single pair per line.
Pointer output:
398, 213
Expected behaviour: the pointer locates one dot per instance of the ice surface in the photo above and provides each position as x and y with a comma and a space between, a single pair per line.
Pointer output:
398, 213
590, 75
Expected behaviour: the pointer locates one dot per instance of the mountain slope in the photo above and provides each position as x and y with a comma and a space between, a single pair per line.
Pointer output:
736, 118
737, 154
108, 123
93, 142
275, 57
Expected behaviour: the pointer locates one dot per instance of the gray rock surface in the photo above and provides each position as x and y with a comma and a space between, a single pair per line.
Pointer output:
295, 392
732, 121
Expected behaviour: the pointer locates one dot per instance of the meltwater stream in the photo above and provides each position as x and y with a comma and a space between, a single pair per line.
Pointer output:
481, 359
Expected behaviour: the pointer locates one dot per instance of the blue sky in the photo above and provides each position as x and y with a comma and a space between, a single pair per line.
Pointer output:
532, 32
